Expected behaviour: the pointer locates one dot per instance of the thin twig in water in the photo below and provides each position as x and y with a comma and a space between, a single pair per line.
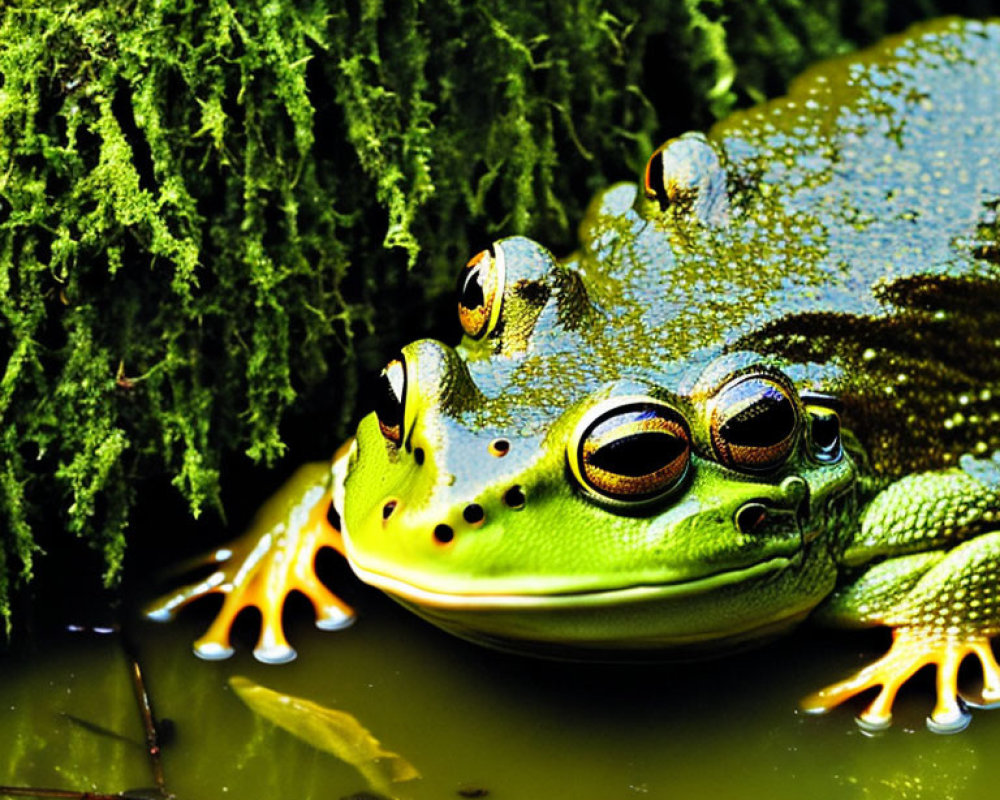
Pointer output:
29, 791
149, 723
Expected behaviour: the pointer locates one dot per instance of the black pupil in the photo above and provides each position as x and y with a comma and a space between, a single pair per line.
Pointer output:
388, 396
825, 431
638, 454
470, 290
765, 421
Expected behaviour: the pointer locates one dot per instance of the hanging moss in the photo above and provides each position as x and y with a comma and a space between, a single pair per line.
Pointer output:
201, 202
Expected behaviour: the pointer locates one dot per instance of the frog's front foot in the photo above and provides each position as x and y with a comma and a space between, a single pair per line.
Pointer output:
911, 650
275, 557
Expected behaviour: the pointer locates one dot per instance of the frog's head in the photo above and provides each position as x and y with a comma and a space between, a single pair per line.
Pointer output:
639, 517
539, 488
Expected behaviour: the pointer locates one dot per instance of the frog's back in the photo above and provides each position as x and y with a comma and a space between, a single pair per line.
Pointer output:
880, 167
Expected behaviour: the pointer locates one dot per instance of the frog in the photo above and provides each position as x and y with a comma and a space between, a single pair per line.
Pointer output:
763, 390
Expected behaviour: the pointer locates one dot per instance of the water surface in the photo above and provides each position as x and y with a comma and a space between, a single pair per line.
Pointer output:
469, 718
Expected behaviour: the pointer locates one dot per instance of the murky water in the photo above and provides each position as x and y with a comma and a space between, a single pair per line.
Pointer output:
471, 719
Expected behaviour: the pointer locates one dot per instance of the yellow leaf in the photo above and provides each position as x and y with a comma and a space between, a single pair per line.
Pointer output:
327, 729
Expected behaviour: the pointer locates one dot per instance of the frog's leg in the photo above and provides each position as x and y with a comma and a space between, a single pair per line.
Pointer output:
275, 556
943, 604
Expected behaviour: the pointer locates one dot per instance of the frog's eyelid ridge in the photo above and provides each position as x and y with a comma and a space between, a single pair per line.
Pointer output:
832, 402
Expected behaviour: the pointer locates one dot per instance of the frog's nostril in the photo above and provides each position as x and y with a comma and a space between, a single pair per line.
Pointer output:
388, 508
418, 456
750, 517
444, 533
473, 513
499, 448
514, 498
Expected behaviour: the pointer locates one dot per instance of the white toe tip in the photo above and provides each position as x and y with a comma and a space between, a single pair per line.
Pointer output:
160, 614
872, 724
212, 651
953, 722
333, 619
274, 654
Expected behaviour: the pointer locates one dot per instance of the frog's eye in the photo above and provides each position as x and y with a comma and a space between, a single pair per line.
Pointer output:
654, 183
389, 400
685, 174
753, 424
824, 430
480, 292
633, 452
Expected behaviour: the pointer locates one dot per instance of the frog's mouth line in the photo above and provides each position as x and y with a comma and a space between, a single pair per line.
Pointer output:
571, 600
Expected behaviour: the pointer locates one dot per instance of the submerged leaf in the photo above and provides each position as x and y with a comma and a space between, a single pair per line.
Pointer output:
328, 729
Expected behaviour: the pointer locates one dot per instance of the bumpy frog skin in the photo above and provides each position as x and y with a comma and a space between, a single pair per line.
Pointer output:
766, 387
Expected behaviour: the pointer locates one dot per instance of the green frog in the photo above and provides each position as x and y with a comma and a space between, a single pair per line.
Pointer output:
765, 388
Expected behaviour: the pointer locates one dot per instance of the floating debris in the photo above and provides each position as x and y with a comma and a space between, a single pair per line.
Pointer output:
328, 729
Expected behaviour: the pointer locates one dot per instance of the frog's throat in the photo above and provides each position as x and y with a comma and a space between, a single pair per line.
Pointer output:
420, 596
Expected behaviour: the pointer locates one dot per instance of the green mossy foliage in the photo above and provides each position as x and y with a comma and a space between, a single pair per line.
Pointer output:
201, 202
